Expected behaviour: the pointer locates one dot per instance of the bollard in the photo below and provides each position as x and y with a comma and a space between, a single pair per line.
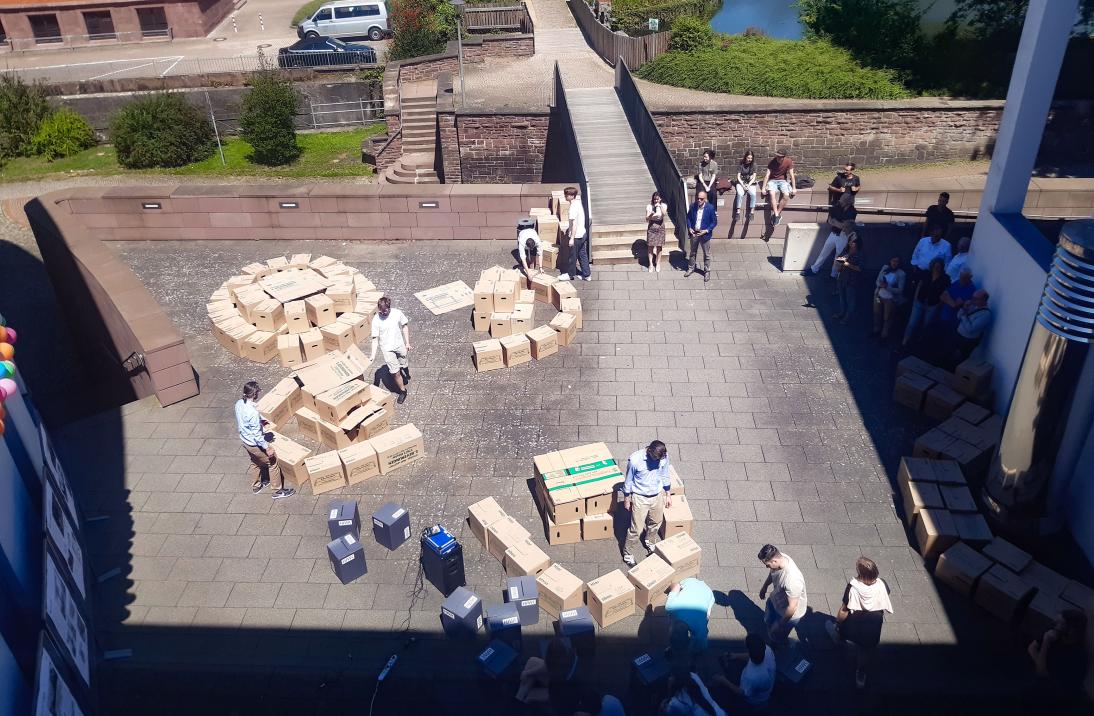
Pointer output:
234, 25
261, 24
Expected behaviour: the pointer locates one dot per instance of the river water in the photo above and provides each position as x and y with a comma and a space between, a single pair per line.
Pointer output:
779, 18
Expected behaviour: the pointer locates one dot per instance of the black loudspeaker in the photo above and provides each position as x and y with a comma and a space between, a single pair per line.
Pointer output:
442, 562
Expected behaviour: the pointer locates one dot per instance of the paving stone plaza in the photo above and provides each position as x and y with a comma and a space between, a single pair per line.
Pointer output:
780, 424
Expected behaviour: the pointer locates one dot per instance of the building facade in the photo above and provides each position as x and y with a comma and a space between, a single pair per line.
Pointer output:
38, 24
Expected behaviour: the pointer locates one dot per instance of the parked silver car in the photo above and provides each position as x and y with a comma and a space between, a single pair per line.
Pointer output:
347, 18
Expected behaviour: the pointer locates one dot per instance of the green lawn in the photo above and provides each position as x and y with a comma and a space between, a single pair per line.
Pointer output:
325, 154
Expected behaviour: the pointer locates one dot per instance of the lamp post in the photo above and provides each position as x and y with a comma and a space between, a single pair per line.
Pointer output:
458, 4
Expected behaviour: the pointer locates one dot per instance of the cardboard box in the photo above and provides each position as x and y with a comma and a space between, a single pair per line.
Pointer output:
676, 485
544, 342
320, 310
290, 458
935, 532
918, 496
958, 498
591, 470
268, 315
526, 296
481, 515
572, 305
911, 389
288, 350
481, 321
325, 472
525, 559
565, 324
960, 567
1007, 554
972, 528
932, 444
1045, 579
563, 290
550, 256
343, 518
611, 598
915, 469
911, 364
501, 325
973, 377
321, 262
651, 578
312, 343
566, 533
559, 498
505, 296
1041, 613
1003, 593
1078, 595
296, 317
516, 349
544, 286
308, 422
391, 525
601, 526
942, 401
398, 447
947, 472
461, 613
331, 370
289, 388
678, 518
363, 423
382, 397
236, 336
682, 553
484, 297
342, 295
359, 324
972, 413
559, 590
335, 404
522, 319
347, 558
288, 286
337, 336
523, 593
487, 355
599, 504
359, 462
260, 346
278, 263
277, 409
502, 534
299, 261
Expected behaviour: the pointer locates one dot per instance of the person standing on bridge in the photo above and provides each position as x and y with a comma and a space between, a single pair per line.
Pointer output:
655, 231
577, 241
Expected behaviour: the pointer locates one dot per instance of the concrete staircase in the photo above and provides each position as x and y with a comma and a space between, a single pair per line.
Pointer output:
619, 182
418, 119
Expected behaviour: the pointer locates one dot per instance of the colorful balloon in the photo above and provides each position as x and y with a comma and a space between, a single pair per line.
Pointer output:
3, 321
7, 351
12, 335
7, 369
1, 427
8, 387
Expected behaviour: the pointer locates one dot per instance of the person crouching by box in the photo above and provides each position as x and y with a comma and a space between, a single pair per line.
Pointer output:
263, 457
645, 495
530, 252
391, 333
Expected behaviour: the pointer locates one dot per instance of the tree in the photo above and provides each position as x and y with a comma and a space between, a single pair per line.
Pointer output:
421, 27
1003, 18
22, 109
267, 121
879, 33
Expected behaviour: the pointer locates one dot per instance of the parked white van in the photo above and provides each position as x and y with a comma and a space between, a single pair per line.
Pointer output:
347, 18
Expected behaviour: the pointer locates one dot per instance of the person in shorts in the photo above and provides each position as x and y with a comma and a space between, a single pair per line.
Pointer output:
391, 333
778, 184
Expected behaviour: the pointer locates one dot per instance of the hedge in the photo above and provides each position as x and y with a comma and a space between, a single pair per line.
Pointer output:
760, 66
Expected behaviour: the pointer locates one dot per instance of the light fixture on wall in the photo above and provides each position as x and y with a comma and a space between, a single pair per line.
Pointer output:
151, 205
289, 205
429, 204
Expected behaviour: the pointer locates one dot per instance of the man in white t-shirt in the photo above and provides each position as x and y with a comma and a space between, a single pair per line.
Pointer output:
757, 678
391, 333
576, 240
787, 604
530, 250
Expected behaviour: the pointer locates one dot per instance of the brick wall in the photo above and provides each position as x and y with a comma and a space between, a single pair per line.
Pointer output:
501, 148
413, 71
475, 50
820, 140
451, 169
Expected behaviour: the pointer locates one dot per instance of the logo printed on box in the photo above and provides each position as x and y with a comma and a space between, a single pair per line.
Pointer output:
569, 613
346, 560
510, 620
448, 613
470, 602
398, 513
406, 532
377, 522
642, 660
343, 523
528, 603
350, 540
478, 622
333, 514
486, 654
514, 593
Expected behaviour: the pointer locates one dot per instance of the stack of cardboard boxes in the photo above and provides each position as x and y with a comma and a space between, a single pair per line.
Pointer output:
1008, 583
938, 505
937, 392
295, 308
505, 307
505, 540
970, 444
574, 490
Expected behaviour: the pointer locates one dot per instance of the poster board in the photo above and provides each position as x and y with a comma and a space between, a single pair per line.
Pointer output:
53, 695
63, 618
61, 531
446, 298
55, 472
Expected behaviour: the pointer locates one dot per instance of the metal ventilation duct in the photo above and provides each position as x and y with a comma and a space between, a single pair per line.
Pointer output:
1044, 396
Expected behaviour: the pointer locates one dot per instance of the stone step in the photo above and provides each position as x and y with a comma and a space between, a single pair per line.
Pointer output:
419, 131
413, 172
415, 115
419, 160
612, 256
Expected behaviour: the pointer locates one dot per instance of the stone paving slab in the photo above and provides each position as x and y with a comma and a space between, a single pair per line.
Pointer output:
779, 423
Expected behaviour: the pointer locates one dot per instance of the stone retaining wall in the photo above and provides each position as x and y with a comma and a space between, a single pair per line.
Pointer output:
496, 148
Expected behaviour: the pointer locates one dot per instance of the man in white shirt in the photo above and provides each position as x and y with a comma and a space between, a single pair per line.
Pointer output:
530, 250
787, 604
757, 679
391, 333
930, 248
576, 240
953, 268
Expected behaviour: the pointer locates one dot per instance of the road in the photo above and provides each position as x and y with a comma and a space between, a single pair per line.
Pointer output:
261, 26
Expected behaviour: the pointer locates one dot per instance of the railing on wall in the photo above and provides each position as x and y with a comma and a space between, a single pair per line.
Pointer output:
636, 51
663, 169
503, 16
572, 149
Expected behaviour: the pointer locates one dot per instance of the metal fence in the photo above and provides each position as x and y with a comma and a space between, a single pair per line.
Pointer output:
17, 44
315, 115
636, 51
175, 65
503, 16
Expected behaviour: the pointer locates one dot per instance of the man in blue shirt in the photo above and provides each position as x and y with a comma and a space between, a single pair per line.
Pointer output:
690, 601
262, 454
646, 495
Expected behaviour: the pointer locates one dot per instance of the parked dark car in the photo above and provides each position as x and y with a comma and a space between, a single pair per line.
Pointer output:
324, 52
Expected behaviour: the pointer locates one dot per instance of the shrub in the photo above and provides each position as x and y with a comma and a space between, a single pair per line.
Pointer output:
420, 27
774, 68
63, 134
267, 121
690, 34
22, 109
632, 16
161, 130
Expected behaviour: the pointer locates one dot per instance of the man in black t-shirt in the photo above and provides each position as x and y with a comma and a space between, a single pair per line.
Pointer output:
940, 215
846, 181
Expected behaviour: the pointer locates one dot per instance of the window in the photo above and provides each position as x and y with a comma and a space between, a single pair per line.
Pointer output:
357, 11
371, 10
45, 28
322, 15
100, 25
153, 21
